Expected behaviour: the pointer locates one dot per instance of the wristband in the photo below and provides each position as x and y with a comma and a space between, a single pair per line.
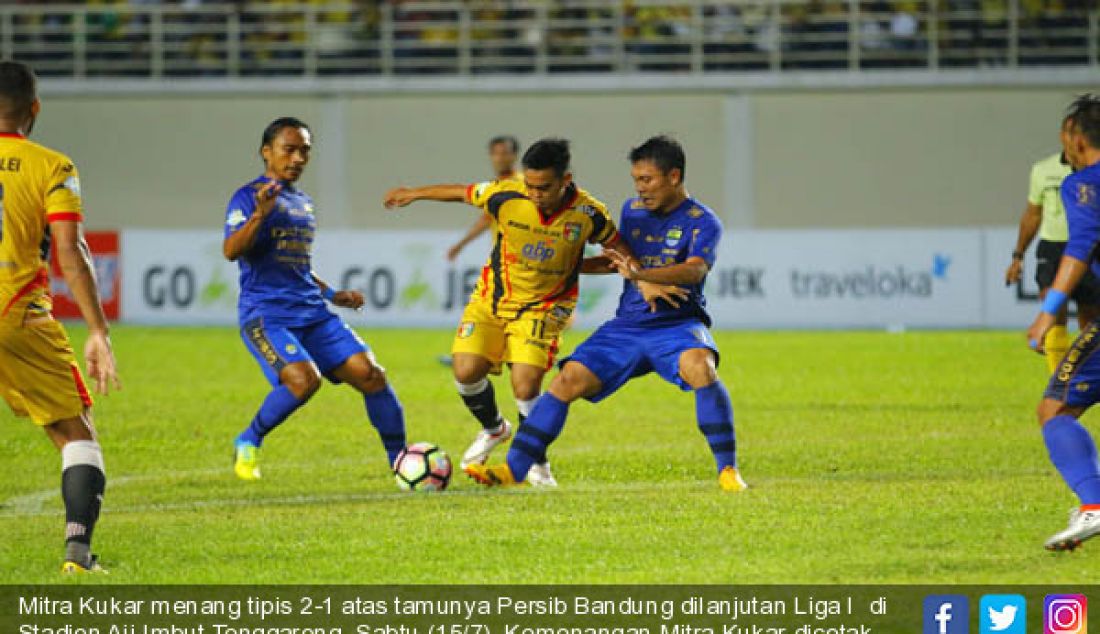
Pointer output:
1054, 301
330, 294
1017, 255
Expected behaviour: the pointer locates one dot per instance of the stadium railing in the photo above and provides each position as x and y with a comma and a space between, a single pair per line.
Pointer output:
535, 37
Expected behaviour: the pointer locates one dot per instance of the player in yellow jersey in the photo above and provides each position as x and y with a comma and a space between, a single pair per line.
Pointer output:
1045, 216
528, 287
39, 376
503, 154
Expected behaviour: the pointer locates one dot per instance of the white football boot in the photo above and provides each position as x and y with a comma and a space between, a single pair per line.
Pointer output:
484, 444
539, 476
1082, 525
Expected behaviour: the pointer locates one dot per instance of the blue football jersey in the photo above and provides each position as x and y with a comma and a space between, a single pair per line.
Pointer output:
276, 273
1081, 198
659, 240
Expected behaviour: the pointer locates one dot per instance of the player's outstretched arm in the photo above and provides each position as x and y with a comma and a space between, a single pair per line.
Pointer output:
240, 241
691, 271
76, 267
1070, 272
343, 299
479, 227
403, 196
1029, 226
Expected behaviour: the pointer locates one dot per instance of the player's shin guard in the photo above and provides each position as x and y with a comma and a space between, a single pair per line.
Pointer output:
540, 429
1055, 345
279, 404
714, 414
1073, 452
481, 400
83, 481
388, 417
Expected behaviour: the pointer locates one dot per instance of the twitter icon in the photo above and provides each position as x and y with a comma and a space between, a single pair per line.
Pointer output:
1003, 614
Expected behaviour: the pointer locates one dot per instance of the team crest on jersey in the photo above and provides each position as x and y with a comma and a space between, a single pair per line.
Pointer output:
695, 212
235, 218
572, 231
1086, 194
465, 329
291, 348
635, 233
672, 237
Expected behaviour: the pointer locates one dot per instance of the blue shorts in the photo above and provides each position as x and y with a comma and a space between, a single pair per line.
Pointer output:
328, 344
1076, 382
621, 350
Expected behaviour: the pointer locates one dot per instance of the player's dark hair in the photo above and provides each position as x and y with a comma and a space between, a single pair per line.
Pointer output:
1084, 112
550, 153
275, 127
18, 89
665, 152
511, 141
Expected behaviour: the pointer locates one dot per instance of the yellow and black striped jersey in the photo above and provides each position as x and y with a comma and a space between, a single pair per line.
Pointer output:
536, 260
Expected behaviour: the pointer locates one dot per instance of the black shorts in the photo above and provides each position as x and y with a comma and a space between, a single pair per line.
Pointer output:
1049, 254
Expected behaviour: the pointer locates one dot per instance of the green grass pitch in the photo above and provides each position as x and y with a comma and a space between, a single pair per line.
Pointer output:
873, 458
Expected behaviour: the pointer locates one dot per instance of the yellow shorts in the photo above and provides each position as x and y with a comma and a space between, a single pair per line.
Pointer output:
39, 376
532, 339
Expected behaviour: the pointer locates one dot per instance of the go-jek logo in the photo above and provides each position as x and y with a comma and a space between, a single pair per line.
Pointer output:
1003, 614
1065, 614
539, 252
946, 614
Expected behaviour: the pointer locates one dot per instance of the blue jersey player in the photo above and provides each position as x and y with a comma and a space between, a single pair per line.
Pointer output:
674, 239
1075, 385
269, 228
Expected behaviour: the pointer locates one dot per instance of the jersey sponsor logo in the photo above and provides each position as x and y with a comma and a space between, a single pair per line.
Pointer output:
539, 252
519, 225
572, 231
672, 237
588, 210
695, 212
235, 217
635, 233
291, 348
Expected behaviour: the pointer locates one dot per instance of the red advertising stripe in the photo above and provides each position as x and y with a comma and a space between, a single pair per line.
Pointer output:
105, 248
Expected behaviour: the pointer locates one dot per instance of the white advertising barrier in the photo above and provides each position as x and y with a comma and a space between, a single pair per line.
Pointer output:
763, 279
1012, 306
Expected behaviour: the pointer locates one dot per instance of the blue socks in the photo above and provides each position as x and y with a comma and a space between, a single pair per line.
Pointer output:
536, 433
1073, 452
714, 413
279, 404
388, 417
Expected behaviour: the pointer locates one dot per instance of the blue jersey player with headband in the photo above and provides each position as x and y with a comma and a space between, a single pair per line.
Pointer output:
285, 324
1075, 385
674, 240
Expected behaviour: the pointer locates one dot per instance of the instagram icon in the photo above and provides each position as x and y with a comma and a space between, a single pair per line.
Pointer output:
1065, 614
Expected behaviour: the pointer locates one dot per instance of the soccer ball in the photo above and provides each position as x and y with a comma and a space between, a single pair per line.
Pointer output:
422, 467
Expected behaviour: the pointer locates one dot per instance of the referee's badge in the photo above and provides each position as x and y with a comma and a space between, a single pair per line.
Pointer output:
672, 238
572, 232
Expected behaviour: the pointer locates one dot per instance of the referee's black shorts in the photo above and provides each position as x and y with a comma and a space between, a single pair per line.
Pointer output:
1049, 254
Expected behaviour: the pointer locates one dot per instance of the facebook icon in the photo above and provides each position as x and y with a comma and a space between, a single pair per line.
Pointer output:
946, 614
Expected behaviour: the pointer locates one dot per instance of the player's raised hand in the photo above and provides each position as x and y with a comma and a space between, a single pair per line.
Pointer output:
1037, 333
101, 362
653, 293
626, 266
399, 197
348, 299
266, 197
1014, 272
